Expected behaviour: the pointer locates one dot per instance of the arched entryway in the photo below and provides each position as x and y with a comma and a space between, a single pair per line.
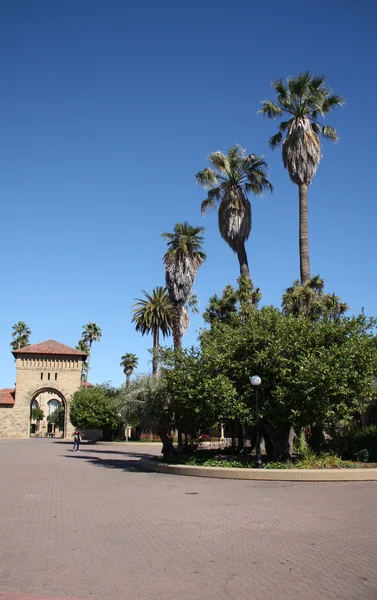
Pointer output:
48, 413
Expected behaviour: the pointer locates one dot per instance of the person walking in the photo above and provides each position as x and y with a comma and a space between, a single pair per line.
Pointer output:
76, 440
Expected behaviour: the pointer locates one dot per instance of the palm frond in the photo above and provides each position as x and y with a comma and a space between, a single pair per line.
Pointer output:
219, 161
284, 125
332, 102
317, 82
279, 87
275, 140
330, 133
206, 178
298, 86
270, 109
208, 204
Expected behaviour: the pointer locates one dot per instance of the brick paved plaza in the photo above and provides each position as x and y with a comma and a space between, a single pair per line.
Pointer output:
91, 525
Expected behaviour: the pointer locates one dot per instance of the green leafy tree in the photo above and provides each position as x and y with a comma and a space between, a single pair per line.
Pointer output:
225, 307
199, 398
95, 408
129, 363
231, 179
91, 333
153, 314
146, 401
312, 370
20, 334
57, 418
182, 261
304, 100
37, 414
310, 300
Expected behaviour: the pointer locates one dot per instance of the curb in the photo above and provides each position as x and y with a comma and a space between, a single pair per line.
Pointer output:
262, 474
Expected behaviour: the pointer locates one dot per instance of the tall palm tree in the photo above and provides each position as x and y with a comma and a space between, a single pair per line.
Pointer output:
230, 180
21, 333
182, 260
303, 99
153, 315
129, 364
91, 333
83, 347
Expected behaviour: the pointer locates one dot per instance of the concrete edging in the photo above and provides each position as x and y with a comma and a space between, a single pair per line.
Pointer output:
262, 474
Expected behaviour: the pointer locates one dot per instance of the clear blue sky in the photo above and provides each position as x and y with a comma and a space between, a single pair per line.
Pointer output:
109, 107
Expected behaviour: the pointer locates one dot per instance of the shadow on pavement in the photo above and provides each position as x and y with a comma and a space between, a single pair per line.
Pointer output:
132, 465
124, 453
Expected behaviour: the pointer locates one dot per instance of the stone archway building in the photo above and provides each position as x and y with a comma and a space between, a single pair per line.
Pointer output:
40, 368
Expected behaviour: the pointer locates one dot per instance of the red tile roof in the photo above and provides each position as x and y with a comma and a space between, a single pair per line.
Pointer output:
7, 396
49, 347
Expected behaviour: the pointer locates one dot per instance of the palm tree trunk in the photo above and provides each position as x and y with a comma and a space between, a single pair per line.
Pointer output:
156, 343
303, 235
88, 363
242, 259
176, 325
128, 380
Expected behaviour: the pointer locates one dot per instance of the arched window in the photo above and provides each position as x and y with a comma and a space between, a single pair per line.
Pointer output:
52, 406
34, 404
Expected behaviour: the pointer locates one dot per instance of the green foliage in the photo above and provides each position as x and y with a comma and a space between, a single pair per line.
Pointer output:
129, 362
146, 401
153, 312
91, 333
199, 397
355, 442
216, 459
58, 417
304, 96
37, 414
311, 371
95, 408
82, 346
231, 301
310, 300
182, 260
20, 334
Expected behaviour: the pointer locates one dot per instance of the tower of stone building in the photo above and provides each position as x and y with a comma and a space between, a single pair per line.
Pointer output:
45, 367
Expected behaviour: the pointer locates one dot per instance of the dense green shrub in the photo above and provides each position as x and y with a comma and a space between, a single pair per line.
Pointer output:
356, 443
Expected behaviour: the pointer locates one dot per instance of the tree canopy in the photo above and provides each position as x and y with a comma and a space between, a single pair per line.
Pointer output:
95, 408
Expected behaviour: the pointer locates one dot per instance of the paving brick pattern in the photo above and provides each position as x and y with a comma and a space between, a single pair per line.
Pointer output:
91, 525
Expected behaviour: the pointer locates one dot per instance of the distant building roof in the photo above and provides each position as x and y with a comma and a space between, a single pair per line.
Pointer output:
7, 396
49, 347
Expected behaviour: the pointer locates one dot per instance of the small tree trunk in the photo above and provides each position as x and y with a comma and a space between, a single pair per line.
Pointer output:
242, 259
167, 444
180, 441
176, 325
276, 441
156, 343
303, 234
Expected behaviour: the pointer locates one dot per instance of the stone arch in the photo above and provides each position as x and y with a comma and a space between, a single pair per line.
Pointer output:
62, 394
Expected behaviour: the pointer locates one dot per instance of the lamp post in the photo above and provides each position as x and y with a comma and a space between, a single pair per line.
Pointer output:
255, 381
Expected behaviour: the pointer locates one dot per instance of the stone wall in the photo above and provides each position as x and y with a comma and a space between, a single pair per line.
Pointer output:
36, 374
